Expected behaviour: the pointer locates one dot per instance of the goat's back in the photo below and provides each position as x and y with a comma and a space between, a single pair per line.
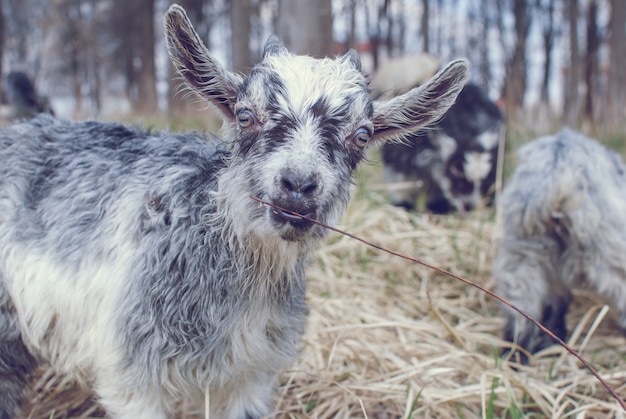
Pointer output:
566, 179
64, 177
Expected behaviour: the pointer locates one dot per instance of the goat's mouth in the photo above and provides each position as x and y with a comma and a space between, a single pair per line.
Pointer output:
292, 218
294, 222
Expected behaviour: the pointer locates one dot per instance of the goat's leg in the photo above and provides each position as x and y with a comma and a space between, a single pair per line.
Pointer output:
550, 311
16, 362
524, 279
612, 286
553, 317
521, 332
248, 398
131, 402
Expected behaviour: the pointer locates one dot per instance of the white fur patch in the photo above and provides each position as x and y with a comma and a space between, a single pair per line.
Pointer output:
446, 144
477, 166
489, 139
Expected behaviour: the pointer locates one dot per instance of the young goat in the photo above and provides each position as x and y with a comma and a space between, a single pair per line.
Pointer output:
455, 162
139, 262
564, 211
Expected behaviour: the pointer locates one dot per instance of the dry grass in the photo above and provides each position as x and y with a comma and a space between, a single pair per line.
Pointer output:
390, 339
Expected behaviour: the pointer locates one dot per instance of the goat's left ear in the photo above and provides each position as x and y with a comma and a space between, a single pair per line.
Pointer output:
202, 72
353, 58
274, 47
421, 106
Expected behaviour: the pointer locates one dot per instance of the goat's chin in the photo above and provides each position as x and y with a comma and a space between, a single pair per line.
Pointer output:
312, 234
293, 230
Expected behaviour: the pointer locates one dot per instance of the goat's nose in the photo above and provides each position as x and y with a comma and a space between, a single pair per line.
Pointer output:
298, 184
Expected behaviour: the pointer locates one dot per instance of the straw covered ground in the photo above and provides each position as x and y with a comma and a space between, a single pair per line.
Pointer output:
391, 339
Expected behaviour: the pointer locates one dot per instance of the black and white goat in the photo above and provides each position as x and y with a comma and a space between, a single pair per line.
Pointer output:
455, 162
139, 263
564, 212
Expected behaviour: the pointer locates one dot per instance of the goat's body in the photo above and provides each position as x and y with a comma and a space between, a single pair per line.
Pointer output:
101, 204
564, 213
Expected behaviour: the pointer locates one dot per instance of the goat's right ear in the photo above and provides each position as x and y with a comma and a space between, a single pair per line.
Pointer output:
202, 73
420, 107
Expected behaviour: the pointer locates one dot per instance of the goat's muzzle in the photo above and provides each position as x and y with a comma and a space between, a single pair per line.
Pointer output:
297, 194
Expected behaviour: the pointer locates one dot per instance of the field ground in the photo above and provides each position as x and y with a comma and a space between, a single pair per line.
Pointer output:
391, 339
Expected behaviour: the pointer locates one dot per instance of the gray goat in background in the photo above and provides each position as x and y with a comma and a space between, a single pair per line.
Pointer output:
139, 262
564, 212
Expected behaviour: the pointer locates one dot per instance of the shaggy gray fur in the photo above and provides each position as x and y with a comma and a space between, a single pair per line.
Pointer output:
564, 226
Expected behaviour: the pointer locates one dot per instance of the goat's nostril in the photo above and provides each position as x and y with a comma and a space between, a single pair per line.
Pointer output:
308, 186
304, 185
289, 184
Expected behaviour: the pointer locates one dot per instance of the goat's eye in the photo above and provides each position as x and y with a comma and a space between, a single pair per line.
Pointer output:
246, 118
361, 136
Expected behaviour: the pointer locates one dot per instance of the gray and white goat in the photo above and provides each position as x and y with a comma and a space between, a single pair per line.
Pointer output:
139, 263
454, 163
564, 215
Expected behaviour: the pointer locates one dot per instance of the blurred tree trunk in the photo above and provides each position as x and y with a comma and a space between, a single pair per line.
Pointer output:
125, 36
373, 31
484, 66
240, 35
2, 38
131, 28
352, 34
439, 38
591, 60
386, 13
401, 22
478, 44
571, 100
617, 63
425, 29
146, 87
93, 63
514, 87
306, 26
19, 14
546, 12
68, 17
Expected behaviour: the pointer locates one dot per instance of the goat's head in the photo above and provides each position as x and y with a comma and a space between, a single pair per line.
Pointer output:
299, 126
468, 138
